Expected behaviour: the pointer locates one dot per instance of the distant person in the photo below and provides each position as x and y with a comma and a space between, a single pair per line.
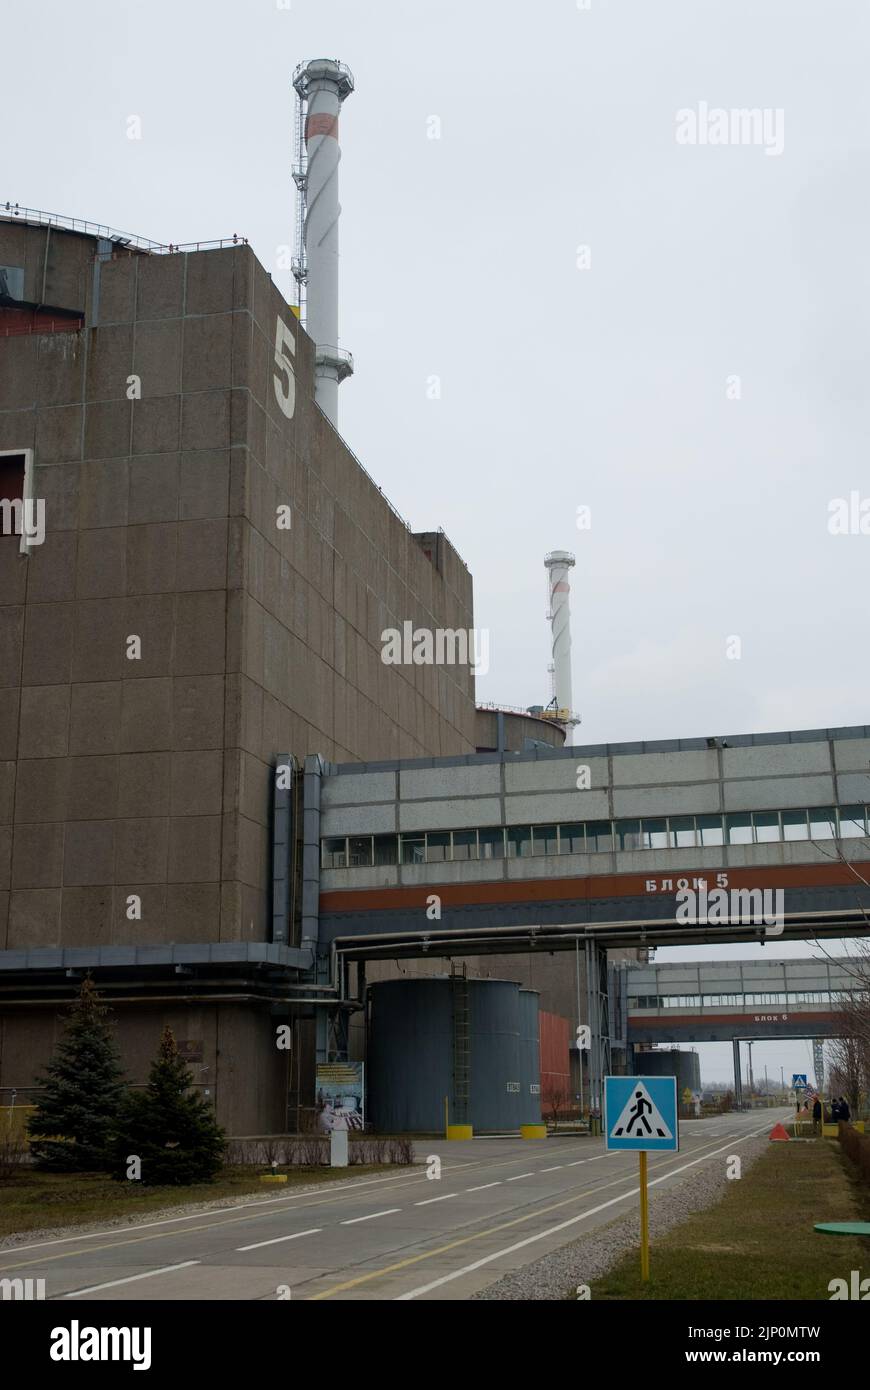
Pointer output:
835, 1110
845, 1112
817, 1112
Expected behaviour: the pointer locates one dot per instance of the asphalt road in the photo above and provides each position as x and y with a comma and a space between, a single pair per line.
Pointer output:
498, 1204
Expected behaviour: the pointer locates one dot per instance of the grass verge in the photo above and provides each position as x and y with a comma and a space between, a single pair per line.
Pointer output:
32, 1201
758, 1242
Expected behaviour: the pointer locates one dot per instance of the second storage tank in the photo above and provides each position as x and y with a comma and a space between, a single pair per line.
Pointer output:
448, 1036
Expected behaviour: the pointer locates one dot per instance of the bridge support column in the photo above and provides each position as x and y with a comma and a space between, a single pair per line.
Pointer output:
598, 1011
738, 1081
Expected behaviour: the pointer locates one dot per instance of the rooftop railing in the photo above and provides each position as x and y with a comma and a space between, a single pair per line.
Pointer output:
37, 217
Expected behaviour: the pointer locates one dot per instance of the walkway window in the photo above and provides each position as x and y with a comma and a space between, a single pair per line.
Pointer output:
739, 828
852, 824
654, 834
519, 840
794, 825
710, 830
491, 843
682, 832
572, 839
465, 844
544, 839
437, 846
595, 837
386, 849
766, 827
823, 823
599, 837
627, 834
359, 851
413, 849
335, 853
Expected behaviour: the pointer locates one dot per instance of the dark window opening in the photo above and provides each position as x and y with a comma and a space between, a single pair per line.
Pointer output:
11, 493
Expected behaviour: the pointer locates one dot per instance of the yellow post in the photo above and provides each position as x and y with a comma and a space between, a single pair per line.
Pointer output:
644, 1220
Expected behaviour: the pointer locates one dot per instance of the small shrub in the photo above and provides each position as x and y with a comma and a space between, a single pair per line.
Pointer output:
401, 1151
12, 1155
857, 1146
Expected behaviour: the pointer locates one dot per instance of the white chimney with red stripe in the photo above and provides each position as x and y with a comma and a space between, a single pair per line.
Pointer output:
559, 564
322, 86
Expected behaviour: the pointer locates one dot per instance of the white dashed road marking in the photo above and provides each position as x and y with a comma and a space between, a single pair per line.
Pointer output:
131, 1279
373, 1216
315, 1230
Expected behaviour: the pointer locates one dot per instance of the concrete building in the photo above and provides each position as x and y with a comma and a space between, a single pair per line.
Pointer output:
210, 594
207, 605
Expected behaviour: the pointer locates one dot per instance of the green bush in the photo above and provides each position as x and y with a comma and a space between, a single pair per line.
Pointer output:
172, 1132
72, 1127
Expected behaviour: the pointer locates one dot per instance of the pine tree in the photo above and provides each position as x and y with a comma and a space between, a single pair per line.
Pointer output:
172, 1131
72, 1127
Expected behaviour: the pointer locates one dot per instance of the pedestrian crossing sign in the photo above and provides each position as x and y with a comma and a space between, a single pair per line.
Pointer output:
640, 1113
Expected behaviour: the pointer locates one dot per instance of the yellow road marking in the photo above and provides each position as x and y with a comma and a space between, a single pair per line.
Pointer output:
314, 1200
490, 1231
305, 1200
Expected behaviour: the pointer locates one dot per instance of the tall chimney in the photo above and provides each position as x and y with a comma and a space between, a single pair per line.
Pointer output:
558, 565
322, 86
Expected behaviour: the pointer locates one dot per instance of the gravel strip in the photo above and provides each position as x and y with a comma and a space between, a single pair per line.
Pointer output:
141, 1218
583, 1260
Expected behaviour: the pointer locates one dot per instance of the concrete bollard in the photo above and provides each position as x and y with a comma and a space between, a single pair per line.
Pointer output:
338, 1148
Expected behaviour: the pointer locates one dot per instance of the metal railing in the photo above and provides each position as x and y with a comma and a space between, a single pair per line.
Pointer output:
515, 709
37, 217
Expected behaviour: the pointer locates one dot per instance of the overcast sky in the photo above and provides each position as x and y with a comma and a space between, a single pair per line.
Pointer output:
700, 384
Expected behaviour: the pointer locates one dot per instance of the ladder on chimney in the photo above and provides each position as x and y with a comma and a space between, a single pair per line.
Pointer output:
299, 262
461, 1044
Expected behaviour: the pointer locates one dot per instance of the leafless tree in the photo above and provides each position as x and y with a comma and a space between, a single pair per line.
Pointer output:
849, 1050
556, 1102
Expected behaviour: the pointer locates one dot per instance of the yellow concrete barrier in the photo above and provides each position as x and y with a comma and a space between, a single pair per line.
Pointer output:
830, 1131
859, 1125
13, 1122
460, 1132
273, 1177
533, 1131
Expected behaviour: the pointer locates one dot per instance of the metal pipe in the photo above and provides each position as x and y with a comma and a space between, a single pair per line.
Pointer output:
658, 928
160, 999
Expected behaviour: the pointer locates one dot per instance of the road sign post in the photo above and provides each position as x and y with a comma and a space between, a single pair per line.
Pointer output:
644, 1220
640, 1114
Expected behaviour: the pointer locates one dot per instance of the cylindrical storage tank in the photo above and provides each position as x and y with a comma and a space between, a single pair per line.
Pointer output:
495, 1055
413, 1028
409, 1063
685, 1066
530, 1058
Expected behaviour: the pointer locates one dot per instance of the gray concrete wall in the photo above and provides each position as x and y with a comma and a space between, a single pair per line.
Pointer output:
151, 776
237, 1061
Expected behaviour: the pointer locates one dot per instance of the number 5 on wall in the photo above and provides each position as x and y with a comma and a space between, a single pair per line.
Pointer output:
285, 391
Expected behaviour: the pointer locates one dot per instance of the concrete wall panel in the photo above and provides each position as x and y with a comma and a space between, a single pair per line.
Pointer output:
565, 807
773, 793
776, 760
449, 815
699, 798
